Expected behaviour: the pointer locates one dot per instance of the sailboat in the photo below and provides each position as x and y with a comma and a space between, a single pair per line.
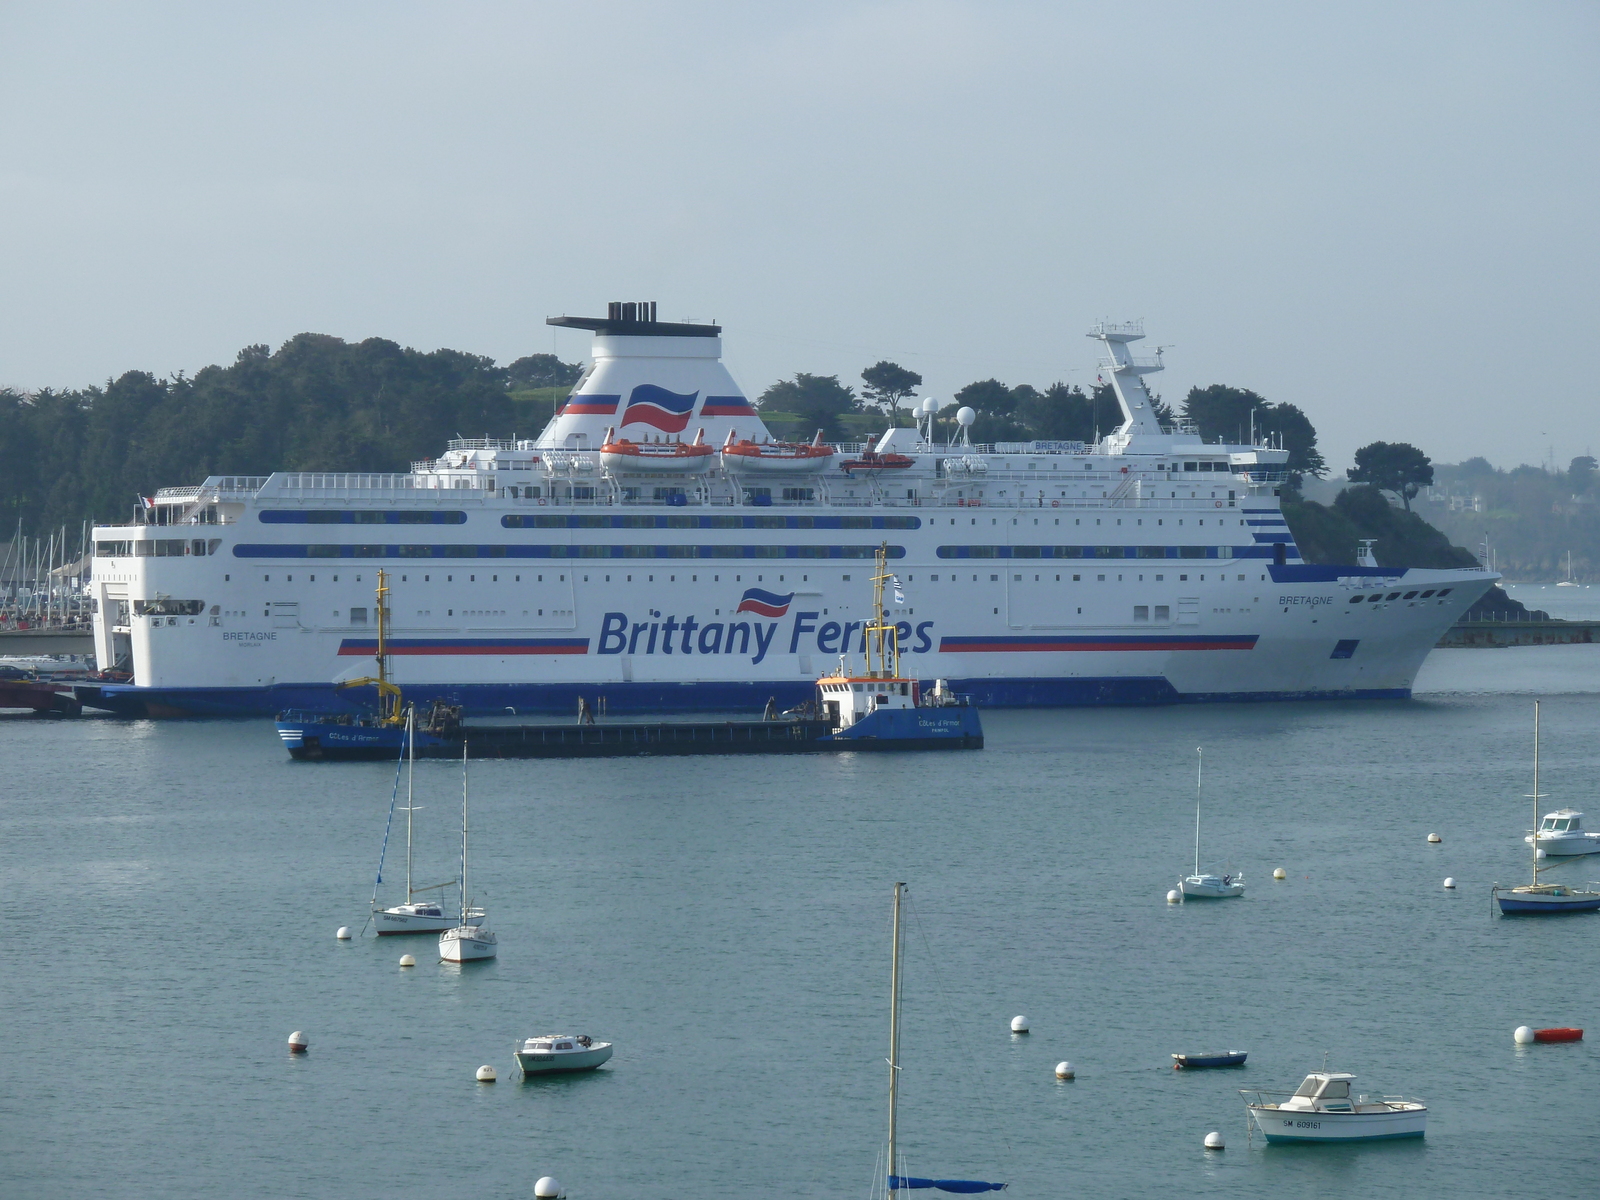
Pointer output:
471, 938
896, 1180
1206, 887
1568, 582
414, 916
1536, 897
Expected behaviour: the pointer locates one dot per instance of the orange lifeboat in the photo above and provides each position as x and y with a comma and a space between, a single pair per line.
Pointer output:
621, 456
870, 460
778, 458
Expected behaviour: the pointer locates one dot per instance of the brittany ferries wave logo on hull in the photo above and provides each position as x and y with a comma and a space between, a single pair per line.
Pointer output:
764, 604
652, 405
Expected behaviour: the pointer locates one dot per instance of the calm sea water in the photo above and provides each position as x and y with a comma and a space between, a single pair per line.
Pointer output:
171, 891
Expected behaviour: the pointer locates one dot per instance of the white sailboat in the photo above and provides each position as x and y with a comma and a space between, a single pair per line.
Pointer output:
1568, 581
1535, 898
471, 938
1206, 886
414, 916
896, 1180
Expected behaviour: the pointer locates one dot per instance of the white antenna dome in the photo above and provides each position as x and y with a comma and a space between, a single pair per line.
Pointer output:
929, 406
965, 416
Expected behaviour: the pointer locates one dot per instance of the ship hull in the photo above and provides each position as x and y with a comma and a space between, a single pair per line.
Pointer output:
541, 699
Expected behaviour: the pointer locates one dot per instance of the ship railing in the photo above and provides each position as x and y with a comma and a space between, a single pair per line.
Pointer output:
340, 481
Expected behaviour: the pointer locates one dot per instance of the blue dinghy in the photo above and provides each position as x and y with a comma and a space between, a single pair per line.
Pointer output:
1196, 1062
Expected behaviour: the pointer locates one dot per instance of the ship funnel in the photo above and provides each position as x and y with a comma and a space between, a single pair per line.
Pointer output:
633, 313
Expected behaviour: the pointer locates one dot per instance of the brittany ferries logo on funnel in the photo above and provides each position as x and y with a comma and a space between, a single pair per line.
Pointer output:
764, 604
652, 405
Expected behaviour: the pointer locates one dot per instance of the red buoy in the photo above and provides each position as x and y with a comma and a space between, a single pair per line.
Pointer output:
1558, 1035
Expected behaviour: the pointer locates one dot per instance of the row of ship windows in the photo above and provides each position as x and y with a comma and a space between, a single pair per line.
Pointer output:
452, 551
335, 550
273, 516
1376, 596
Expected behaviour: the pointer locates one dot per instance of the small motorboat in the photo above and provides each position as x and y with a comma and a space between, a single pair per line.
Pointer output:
1558, 1035
619, 455
871, 460
561, 1052
1323, 1110
778, 458
1561, 833
1205, 1062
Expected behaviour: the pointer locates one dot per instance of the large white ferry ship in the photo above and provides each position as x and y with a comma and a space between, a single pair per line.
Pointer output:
655, 549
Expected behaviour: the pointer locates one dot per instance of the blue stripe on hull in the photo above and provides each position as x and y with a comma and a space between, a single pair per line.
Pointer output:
490, 699
1308, 1141
1508, 905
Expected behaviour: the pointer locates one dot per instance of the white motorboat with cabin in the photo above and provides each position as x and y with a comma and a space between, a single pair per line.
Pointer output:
1561, 834
561, 1052
1205, 885
1322, 1109
471, 938
1535, 898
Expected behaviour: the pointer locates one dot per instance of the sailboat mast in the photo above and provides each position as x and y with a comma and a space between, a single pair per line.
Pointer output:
463, 831
1199, 768
411, 770
1534, 840
894, 1042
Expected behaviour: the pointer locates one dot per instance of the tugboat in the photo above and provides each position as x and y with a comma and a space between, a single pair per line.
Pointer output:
878, 709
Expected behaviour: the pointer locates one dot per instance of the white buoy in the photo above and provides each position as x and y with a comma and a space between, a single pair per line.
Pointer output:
1214, 1141
486, 1074
1174, 896
1434, 839
1280, 873
407, 961
547, 1189
1541, 852
344, 933
299, 1043
1449, 882
1019, 1024
1523, 1036
1064, 1070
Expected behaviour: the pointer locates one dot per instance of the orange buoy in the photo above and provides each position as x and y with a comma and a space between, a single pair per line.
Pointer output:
1558, 1035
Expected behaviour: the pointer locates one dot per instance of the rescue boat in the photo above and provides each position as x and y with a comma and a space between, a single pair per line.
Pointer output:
871, 460
619, 455
778, 458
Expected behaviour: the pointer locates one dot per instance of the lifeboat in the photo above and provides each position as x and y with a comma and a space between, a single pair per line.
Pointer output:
870, 460
777, 458
620, 456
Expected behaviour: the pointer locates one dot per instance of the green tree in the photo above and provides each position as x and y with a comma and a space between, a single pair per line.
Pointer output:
887, 384
1394, 467
815, 401
1580, 474
1058, 414
541, 371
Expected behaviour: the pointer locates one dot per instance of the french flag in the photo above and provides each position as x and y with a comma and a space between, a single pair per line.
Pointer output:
727, 406
652, 405
764, 604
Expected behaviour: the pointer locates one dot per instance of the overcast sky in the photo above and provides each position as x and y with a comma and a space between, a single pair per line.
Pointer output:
1384, 213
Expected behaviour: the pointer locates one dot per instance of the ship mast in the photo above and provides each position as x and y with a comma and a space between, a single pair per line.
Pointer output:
882, 636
